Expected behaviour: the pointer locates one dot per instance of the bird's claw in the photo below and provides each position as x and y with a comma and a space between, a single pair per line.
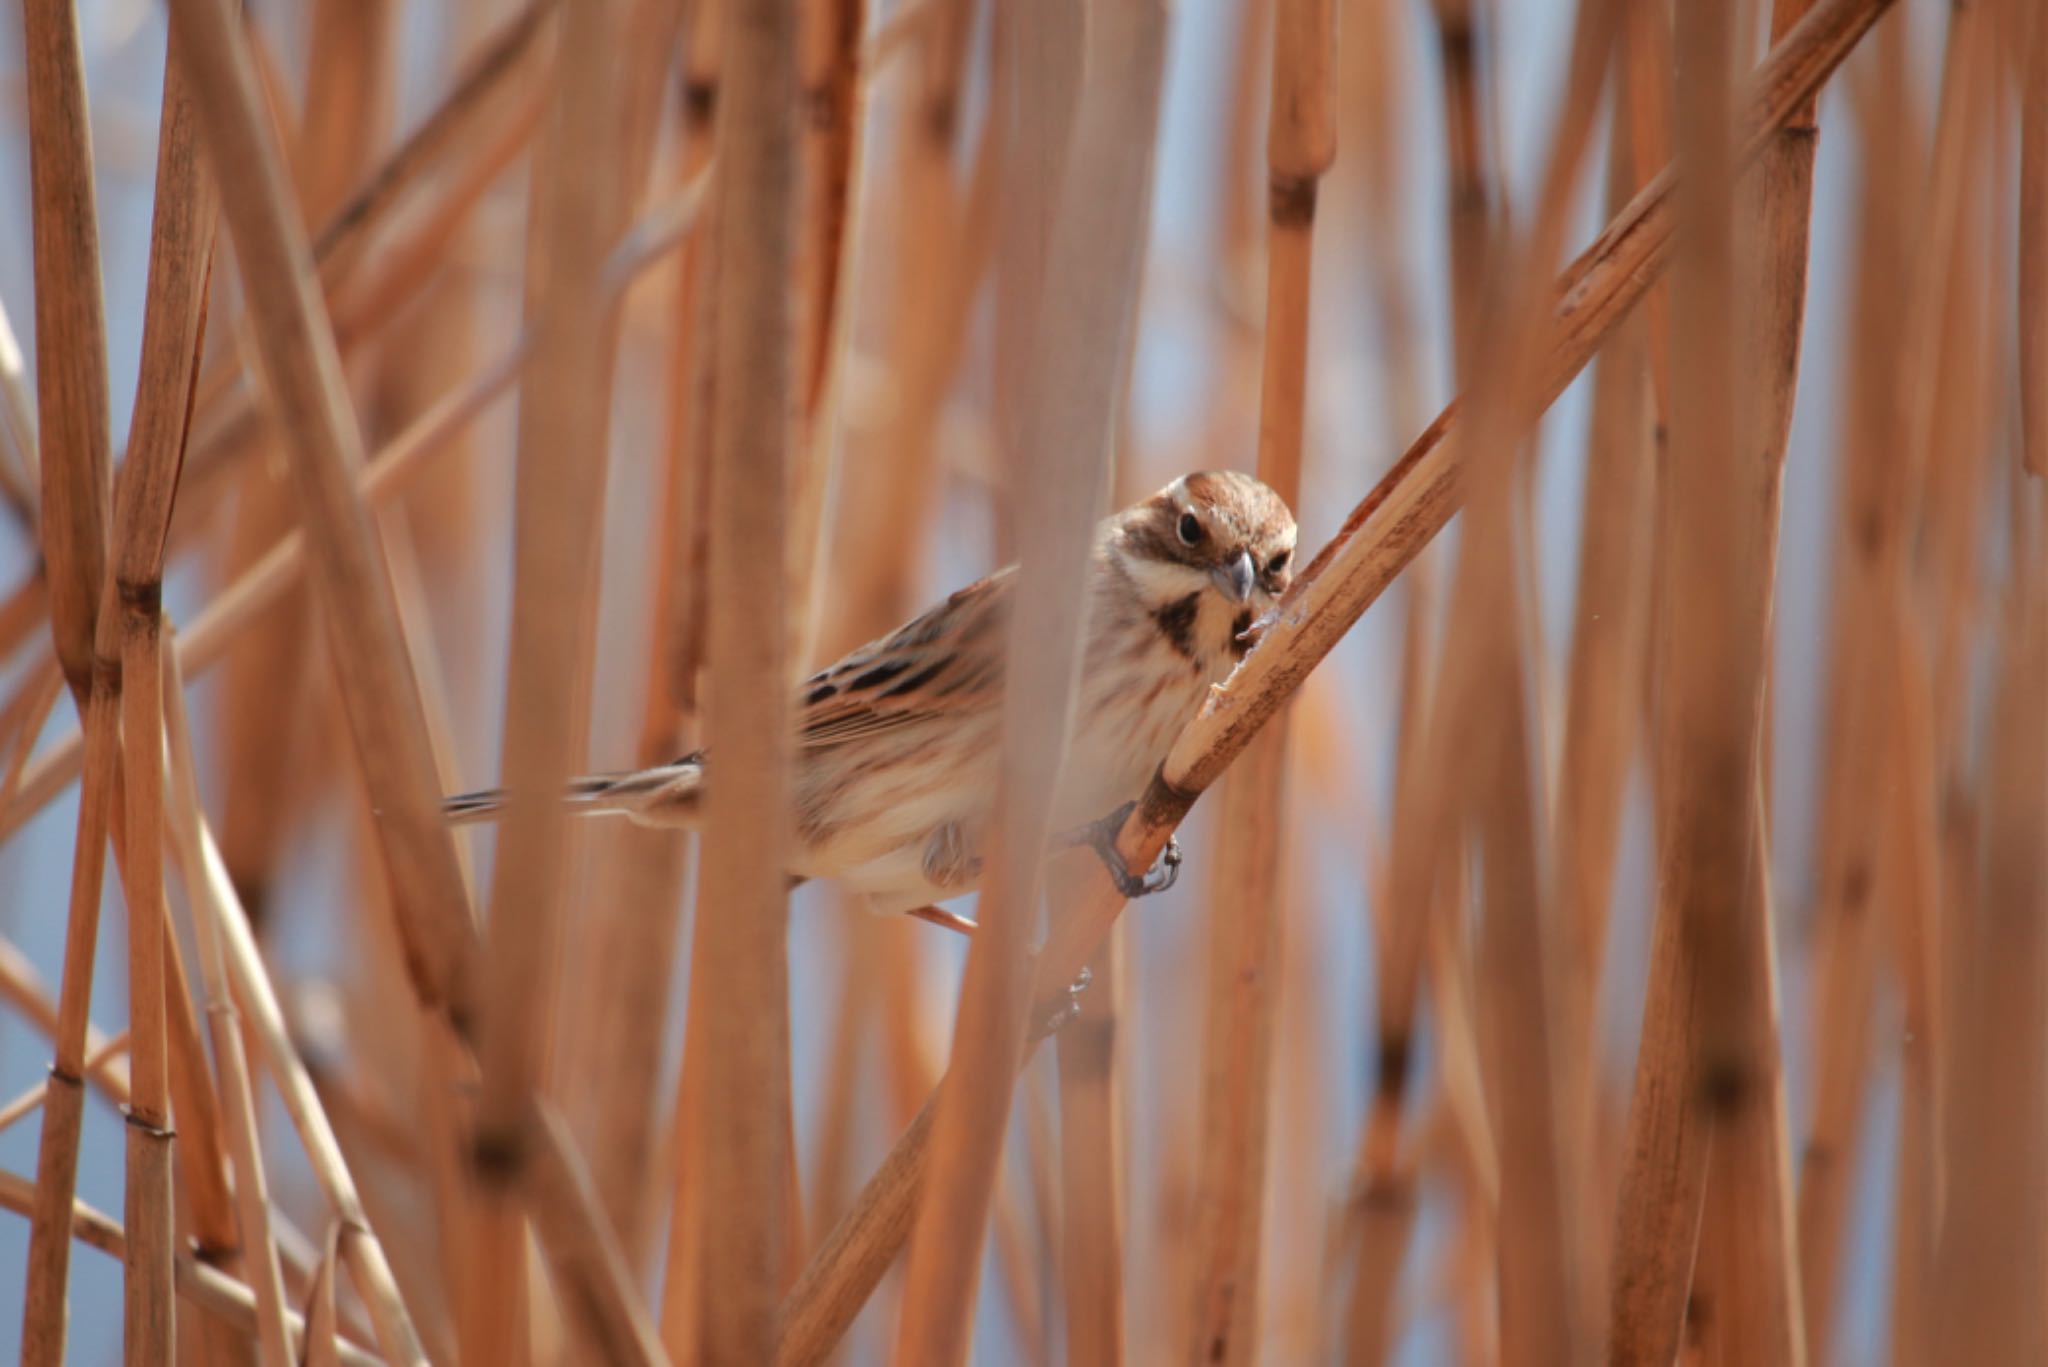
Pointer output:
1100, 836
1066, 1008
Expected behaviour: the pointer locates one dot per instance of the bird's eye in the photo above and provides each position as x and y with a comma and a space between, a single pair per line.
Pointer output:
1190, 529
1278, 562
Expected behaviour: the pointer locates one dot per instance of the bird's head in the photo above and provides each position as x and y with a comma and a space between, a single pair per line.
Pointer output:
1213, 533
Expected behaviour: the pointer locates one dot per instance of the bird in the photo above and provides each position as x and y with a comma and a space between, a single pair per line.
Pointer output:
898, 744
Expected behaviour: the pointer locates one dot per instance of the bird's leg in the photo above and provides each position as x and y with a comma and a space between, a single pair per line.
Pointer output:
1065, 1009
1100, 836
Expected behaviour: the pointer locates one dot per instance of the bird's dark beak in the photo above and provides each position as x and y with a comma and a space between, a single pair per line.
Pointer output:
1234, 576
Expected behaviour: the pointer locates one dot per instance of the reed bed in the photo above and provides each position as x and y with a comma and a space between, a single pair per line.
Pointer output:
1621, 930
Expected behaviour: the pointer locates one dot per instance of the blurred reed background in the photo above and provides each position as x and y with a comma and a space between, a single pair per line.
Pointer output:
1631, 941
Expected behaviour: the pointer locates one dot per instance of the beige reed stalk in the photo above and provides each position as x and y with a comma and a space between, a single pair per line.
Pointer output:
207, 1288
1068, 311
1753, 1276
1610, 622
71, 345
563, 431
181, 249
1707, 1067
1245, 907
1378, 539
739, 971
303, 376
71, 384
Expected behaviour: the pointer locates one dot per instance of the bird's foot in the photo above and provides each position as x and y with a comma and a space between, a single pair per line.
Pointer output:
1065, 1008
1100, 836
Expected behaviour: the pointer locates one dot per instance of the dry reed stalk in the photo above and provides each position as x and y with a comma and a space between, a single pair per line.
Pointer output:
513, 59
1754, 1276
1992, 1257
563, 439
28, 711
321, 1345
23, 611
43, 1319
1486, 675
1069, 313
252, 1198
634, 952
1091, 1174
1915, 859
1607, 671
1907, 402
1245, 907
627, 941
212, 894
2033, 254
71, 345
266, 694
939, 260
303, 375
208, 1288
831, 72
739, 997
1379, 538
589, 1268
832, 77
181, 250
1706, 1066
1471, 184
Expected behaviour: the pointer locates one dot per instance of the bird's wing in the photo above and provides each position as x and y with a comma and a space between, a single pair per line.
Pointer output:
947, 662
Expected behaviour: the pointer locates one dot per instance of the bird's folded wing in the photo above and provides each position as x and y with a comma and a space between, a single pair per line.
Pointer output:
943, 664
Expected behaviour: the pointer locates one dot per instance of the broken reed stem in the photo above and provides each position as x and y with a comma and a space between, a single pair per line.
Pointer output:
207, 1288
212, 894
1379, 538
75, 455
1069, 312
1245, 909
563, 435
303, 375
252, 1195
739, 972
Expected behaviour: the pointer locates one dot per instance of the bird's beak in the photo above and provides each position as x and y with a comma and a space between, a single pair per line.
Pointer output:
1234, 576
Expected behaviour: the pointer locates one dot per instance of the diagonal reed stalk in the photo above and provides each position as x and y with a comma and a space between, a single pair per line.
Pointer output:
302, 373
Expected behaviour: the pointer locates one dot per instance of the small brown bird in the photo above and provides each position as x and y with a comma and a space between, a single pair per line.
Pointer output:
898, 744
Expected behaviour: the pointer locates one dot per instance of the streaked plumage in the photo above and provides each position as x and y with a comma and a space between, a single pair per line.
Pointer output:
898, 743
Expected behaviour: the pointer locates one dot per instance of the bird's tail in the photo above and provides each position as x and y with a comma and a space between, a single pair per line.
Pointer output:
666, 795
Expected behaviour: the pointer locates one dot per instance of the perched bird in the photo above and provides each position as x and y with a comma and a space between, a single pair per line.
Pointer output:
898, 744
